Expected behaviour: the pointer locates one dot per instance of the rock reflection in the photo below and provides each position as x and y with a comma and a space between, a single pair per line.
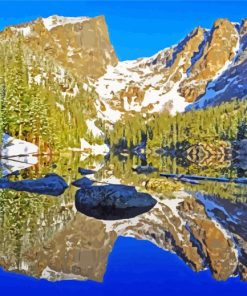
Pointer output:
185, 225
79, 251
46, 237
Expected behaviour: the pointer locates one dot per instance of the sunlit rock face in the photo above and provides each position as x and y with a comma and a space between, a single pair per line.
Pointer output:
79, 44
221, 46
79, 251
206, 68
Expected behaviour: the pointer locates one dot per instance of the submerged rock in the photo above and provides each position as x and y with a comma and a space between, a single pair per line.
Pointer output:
51, 184
145, 169
112, 202
86, 171
160, 185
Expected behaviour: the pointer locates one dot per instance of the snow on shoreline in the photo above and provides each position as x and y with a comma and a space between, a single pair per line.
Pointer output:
14, 147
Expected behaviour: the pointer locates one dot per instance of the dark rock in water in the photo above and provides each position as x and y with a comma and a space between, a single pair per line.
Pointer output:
241, 162
51, 184
86, 171
83, 182
160, 151
112, 202
145, 169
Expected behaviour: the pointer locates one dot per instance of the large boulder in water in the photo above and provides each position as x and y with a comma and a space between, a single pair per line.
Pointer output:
112, 202
51, 184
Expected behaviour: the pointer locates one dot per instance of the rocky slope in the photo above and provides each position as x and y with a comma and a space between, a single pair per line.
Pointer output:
205, 68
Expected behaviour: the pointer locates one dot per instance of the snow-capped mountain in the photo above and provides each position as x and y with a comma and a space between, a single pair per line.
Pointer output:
206, 68
80, 45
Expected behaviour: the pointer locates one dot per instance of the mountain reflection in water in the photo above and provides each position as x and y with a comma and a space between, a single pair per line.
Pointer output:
45, 237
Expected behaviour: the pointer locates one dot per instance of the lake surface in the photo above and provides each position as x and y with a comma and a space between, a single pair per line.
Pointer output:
194, 240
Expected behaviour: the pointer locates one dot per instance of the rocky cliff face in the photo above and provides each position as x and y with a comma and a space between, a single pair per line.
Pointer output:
205, 68
79, 44
58, 56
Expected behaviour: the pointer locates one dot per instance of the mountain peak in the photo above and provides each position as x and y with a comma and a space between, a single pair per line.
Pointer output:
56, 20
81, 45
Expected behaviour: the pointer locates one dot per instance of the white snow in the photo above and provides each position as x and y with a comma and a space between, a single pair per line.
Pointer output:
17, 163
70, 51
111, 179
85, 86
38, 78
140, 73
210, 94
15, 147
109, 114
172, 204
25, 31
55, 20
60, 106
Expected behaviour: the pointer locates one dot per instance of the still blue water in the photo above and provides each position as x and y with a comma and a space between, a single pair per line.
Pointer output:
134, 268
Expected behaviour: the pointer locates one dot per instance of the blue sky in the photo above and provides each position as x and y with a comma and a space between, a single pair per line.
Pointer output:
137, 28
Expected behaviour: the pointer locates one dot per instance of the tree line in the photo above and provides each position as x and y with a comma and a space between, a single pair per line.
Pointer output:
227, 122
36, 106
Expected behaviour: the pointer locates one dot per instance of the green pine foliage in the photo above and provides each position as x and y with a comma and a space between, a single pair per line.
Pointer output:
225, 122
37, 101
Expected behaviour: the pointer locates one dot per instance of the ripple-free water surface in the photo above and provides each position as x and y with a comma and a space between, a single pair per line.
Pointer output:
45, 239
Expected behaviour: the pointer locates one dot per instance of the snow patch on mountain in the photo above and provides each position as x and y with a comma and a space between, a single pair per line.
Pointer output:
25, 31
55, 20
138, 73
108, 113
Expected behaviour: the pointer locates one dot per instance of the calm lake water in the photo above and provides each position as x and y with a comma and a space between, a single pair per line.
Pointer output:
194, 240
